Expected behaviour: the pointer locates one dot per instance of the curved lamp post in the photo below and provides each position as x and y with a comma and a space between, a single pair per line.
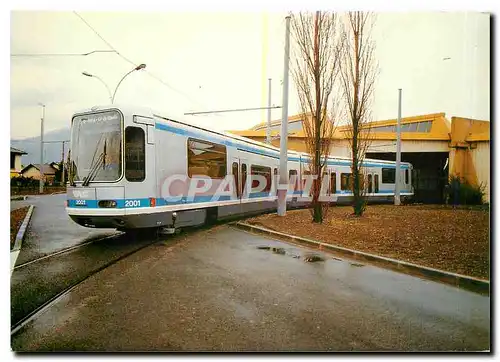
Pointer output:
139, 67
96, 77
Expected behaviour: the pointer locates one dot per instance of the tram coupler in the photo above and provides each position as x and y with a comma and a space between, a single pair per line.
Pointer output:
170, 229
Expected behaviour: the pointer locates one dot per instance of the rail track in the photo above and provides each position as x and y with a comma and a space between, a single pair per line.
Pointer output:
37, 284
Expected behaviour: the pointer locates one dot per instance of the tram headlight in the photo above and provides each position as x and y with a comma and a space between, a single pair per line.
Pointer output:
107, 203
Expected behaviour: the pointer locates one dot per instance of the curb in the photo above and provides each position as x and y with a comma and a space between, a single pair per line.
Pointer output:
18, 198
25, 197
458, 280
22, 230
58, 193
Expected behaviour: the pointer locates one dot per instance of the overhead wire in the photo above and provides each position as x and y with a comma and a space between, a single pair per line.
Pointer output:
61, 54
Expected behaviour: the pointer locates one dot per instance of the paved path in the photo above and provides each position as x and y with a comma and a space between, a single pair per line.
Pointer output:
215, 290
50, 228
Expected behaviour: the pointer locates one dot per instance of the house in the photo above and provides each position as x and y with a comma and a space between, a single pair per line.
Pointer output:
15, 161
33, 170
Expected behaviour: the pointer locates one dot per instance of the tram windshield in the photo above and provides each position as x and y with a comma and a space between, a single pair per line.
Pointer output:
96, 147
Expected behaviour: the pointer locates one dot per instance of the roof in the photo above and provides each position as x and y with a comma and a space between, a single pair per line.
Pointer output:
18, 151
47, 169
438, 131
469, 130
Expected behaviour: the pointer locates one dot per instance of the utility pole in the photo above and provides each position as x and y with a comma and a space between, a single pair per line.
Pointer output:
268, 130
41, 149
283, 184
63, 142
62, 163
397, 199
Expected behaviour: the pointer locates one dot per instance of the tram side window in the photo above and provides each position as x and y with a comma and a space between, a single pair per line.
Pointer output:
333, 183
243, 177
293, 177
388, 175
304, 178
346, 181
376, 183
262, 171
135, 158
406, 176
206, 158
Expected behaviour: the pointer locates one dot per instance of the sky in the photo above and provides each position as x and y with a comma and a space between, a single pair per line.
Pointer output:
203, 61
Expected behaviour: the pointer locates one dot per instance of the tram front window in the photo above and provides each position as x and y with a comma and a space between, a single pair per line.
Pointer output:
96, 146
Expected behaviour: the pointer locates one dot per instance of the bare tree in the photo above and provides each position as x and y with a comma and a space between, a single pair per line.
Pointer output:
316, 54
357, 77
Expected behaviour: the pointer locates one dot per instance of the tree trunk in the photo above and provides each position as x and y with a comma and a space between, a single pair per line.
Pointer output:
318, 212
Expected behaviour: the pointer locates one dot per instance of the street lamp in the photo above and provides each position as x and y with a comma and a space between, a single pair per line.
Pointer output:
139, 67
95, 76
41, 148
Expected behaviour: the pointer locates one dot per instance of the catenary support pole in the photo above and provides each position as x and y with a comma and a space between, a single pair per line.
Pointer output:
397, 192
283, 182
268, 129
63, 165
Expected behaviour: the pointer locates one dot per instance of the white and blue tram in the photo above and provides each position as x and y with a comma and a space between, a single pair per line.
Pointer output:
129, 168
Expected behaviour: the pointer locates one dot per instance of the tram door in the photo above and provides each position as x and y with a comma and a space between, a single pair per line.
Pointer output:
240, 169
140, 175
236, 172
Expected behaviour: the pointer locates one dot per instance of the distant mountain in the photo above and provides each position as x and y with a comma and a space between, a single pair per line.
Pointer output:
53, 151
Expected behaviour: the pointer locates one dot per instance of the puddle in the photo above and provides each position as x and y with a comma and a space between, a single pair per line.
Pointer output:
275, 250
313, 258
280, 251
356, 264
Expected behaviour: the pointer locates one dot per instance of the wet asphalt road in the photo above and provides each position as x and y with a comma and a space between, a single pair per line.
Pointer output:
214, 290
35, 284
51, 229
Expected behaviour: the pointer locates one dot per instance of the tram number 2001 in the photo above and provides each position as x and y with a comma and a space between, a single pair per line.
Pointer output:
132, 203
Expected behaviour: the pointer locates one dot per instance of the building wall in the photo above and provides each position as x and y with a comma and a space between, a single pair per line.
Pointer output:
480, 156
470, 159
33, 172
17, 166
17, 161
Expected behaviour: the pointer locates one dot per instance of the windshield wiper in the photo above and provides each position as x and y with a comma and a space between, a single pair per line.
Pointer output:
94, 166
93, 170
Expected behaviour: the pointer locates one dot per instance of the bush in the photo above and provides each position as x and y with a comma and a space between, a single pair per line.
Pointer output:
461, 192
23, 182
